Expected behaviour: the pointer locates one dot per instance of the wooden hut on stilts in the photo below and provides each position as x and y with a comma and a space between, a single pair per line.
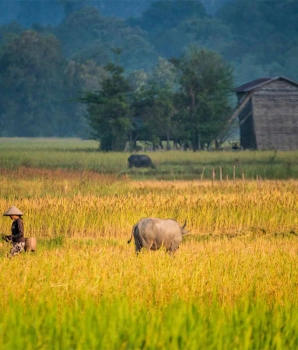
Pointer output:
267, 110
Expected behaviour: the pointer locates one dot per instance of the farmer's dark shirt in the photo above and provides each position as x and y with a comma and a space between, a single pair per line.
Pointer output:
17, 231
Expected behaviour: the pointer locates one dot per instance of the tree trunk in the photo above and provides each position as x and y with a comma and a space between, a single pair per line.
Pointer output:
195, 141
168, 142
130, 141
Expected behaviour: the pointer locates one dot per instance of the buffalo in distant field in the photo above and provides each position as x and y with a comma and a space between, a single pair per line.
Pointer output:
140, 161
154, 233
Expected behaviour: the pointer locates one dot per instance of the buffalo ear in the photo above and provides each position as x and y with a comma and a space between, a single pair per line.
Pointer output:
184, 225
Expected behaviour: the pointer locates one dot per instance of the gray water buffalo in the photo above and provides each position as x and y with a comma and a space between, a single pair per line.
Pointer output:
140, 161
154, 233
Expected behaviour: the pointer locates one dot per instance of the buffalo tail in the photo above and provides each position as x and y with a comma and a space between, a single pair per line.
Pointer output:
132, 231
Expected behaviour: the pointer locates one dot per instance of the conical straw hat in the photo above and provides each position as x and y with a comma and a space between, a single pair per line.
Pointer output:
13, 211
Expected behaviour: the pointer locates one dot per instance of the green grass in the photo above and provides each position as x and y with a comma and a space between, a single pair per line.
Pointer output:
83, 155
116, 325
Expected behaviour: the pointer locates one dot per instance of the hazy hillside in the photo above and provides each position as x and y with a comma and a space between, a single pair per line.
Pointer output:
52, 50
52, 12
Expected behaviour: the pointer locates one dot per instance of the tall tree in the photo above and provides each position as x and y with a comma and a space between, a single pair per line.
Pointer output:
9, 32
154, 107
86, 34
265, 29
31, 85
162, 21
163, 88
80, 77
109, 110
206, 84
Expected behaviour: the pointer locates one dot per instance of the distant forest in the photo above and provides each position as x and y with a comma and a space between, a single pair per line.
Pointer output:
51, 51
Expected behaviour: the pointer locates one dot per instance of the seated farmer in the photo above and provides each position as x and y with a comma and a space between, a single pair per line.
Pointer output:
17, 231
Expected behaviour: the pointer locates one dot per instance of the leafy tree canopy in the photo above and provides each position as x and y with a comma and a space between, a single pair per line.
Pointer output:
166, 14
85, 35
109, 110
206, 83
30, 67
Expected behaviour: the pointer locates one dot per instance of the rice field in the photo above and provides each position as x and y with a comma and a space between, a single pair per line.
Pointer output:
83, 155
231, 285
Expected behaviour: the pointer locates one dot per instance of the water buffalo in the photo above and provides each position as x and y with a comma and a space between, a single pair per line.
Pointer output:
154, 233
139, 161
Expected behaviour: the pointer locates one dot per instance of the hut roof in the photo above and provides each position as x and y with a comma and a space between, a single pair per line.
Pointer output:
257, 83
